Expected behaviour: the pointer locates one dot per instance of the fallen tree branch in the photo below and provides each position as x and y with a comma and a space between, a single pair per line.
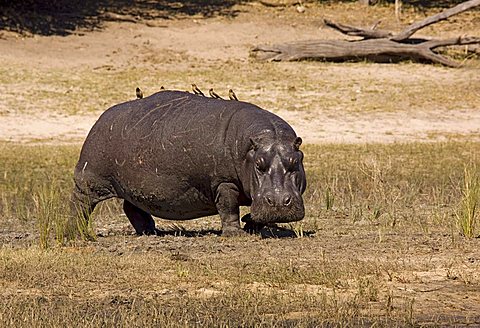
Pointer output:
277, 5
367, 33
378, 50
409, 31
376, 45
432, 44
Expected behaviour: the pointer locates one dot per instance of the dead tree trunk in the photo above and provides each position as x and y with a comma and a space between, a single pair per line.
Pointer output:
376, 45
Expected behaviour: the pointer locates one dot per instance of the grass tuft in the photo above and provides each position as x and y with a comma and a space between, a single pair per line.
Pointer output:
82, 227
467, 214
329, 199
297, 229
50, 215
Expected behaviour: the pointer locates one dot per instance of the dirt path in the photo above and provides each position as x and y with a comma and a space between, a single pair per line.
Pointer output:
371, 128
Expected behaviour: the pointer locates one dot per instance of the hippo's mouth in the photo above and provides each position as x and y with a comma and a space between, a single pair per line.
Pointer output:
268, 214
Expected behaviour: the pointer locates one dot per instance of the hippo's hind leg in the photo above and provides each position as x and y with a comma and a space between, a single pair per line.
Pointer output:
141, 221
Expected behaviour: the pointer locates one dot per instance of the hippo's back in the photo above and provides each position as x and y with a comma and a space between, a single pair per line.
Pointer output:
176, 128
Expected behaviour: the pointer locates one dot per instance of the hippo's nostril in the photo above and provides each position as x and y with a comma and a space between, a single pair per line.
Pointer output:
269, 200
287, 201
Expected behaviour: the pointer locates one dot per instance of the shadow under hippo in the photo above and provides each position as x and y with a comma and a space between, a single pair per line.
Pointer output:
180, 156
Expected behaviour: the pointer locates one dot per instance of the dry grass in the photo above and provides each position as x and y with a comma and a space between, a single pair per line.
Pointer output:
316, 88
173, 293
383, 252
468, 212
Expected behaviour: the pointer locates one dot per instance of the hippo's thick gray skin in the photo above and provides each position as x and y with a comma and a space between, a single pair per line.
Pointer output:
179, 156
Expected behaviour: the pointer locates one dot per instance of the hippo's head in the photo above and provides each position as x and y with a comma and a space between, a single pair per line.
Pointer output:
276, 180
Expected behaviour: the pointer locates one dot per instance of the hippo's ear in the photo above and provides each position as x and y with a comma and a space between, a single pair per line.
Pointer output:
255, 144
297, 143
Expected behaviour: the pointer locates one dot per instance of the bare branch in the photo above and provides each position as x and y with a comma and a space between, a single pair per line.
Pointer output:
357, 31
378, 50
276, 4
409, 31
432, 44
374, 26
439, 59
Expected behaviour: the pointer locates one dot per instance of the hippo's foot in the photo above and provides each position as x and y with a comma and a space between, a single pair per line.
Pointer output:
232, 232
141, 221
150, 232
250, 226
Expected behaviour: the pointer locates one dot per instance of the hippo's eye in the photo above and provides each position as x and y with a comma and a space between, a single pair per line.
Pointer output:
293, 163
260, 164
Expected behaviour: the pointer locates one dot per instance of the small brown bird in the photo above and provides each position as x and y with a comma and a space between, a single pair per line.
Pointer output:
139, 93
213, 94
196, 90
232, 95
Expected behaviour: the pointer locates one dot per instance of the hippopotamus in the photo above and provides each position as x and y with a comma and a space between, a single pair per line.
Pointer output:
180, 156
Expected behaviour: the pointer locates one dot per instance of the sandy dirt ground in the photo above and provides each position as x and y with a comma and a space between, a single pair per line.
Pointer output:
379, 127
122, 44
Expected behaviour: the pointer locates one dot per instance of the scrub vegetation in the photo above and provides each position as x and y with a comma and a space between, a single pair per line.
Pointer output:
371, 250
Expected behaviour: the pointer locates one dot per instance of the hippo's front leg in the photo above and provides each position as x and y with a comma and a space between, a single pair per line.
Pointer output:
226, 201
